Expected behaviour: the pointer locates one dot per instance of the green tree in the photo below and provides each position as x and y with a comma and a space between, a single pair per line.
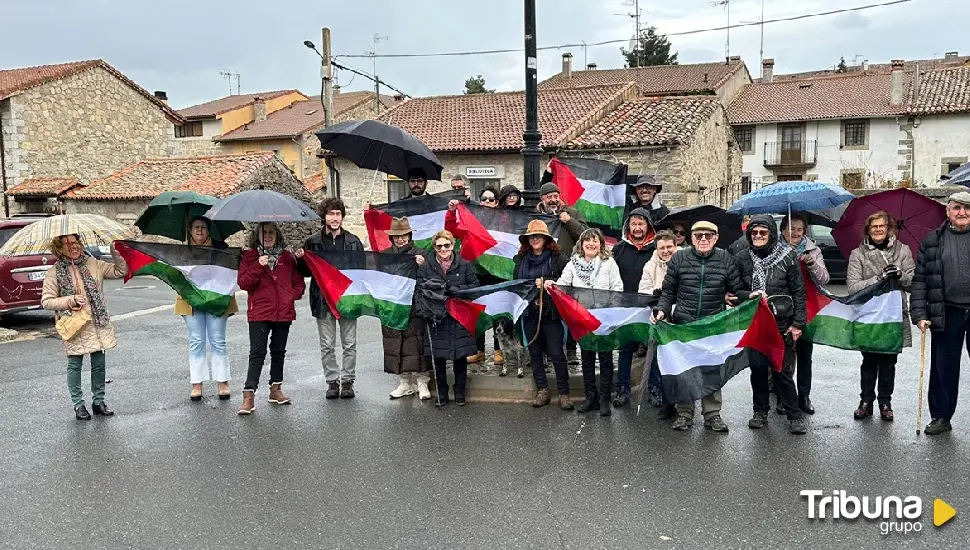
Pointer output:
842, 67
652, 49
476, 85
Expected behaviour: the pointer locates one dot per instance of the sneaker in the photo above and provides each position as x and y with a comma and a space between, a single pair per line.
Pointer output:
716, 423
666, 412
477, 358
460, 399
683, 423
938, 426
798, 426
622, 398
886, 413
541, 398
424, 393
565, 403
347, 390
333, 390
758, 420
656, 396
864, 410
404, 388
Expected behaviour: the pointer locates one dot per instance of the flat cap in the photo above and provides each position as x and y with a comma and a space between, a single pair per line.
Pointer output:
703, 226
962, 197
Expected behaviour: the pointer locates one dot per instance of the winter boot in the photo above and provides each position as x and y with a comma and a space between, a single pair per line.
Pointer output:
591, 403
276, 394
248, 402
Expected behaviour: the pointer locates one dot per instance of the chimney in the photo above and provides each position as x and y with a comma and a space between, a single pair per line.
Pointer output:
865, 65
567, 65
896, 93
591, 67
734, 58
259, 109
398, 98
705, 78
767, 69
161, 96
951, 56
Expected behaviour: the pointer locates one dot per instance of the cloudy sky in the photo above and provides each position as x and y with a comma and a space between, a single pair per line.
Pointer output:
181, 46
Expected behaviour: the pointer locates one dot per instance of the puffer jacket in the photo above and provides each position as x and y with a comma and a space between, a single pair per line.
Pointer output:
782, 279
818, 270
631, 257
449, 340
927, 302
90, 338
606, 276
319, 243
866, 264
653, 275
697, 284
404, 349
272, 292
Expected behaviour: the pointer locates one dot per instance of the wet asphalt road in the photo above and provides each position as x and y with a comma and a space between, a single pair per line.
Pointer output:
372, 473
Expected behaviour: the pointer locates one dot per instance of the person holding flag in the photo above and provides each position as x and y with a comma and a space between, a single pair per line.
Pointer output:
509, 197
646, 191
652, 283
487, 199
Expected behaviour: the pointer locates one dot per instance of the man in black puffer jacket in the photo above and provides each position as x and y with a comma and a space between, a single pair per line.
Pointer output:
941, 303
769, 265
697, 280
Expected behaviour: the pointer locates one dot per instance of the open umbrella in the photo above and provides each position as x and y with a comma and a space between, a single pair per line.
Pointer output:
168, 215
958, 176
915, 215
378, 146
261, 205
93, 230
791, 196
728, 224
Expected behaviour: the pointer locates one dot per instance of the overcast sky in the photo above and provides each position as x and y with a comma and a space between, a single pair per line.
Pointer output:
181, 46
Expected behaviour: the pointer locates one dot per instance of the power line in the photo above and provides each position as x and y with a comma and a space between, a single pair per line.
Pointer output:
609, 42
367, 76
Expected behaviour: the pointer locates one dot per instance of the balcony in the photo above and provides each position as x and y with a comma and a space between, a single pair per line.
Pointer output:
791, 154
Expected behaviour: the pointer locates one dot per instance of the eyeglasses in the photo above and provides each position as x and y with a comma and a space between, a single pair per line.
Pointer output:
489, 199
679, 232
878, 226
704, 236
443, 246
759, 233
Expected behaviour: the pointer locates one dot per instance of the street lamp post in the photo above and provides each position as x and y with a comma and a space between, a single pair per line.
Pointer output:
531, 153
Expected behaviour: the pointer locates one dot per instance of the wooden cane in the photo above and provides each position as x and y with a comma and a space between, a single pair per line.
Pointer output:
922, 368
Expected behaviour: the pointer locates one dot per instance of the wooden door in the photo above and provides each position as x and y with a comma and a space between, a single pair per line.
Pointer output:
791, 144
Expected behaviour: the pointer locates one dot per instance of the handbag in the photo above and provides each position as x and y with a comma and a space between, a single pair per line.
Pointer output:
69, 325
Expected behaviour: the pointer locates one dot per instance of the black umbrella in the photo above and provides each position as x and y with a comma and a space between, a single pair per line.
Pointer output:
262, 205
728, 224
378, 146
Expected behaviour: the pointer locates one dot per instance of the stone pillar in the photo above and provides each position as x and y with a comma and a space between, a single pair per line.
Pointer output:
259, 109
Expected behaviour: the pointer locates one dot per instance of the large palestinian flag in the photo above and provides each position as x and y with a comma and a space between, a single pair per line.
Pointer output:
597, 188
490, 237
426, 214
698, 358
379, 285
869, 320
602, 320
204, 277
479, 308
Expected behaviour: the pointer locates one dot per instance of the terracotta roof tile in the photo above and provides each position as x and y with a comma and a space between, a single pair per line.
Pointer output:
216, 107
315, 182
908, 66
216, 175
42, 187
845, 96
660, 79
290, 121
346, 101
15, 81
649, 121
944, 91
495, 122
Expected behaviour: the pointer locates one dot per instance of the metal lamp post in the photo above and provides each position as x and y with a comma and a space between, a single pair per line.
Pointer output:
531, 153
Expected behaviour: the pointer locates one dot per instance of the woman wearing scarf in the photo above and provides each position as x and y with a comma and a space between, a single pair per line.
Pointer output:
539, 258
769, 267
652, 283
880, 256
205, 328
592, 267
267, 272
74, 285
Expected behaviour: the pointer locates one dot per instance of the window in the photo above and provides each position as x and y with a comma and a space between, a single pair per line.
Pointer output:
744, 135
745, 185
477, 185
397, 190
855, 134
189, 129
852, 180
951, 166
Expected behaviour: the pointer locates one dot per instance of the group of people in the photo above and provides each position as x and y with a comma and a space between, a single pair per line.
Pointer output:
689, 280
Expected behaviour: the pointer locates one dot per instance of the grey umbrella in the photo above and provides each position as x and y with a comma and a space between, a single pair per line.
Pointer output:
261, 205
375, 145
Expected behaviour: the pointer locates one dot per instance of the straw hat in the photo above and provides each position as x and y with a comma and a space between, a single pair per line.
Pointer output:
399, 226
536, 227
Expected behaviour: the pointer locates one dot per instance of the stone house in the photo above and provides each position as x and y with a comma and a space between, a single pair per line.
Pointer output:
940, 123
78, 120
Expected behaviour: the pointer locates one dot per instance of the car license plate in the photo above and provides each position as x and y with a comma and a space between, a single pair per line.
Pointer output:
36, 275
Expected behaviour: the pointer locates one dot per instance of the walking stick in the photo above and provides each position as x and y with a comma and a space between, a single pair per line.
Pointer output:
922, 368
434, 367
647, 365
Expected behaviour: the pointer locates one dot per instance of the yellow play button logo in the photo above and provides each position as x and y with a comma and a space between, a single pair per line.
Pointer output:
942, 512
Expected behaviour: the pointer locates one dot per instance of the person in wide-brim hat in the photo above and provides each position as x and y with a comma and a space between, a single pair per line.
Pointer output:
399, 226
535, 227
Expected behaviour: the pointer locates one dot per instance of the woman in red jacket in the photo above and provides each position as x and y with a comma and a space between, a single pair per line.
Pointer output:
267, 272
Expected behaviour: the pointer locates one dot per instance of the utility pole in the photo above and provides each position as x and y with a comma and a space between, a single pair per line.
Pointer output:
531, 153
326, 75
377, 83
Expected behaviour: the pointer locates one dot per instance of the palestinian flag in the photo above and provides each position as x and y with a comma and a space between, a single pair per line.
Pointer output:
379, 285
603, 320
204, 277
869, 320
479, 308
426, 214
698, 358
597, 188
490, 237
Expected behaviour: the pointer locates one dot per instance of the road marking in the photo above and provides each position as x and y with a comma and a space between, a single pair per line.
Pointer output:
157, 309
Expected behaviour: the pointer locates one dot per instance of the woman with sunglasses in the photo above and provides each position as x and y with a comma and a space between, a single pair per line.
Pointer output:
488, 198
679, 229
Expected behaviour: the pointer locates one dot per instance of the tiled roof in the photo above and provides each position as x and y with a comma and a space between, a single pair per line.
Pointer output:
346, 101
216, 176
649, 121
660, 79
290, 121
908, 66
15, 81
42, 187
315, 182
223, 105
495, 122
943, 91
844, 96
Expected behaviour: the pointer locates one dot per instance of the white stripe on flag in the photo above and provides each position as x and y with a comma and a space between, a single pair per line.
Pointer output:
507, 246
600, 193
426, 225
612, 318
883, 308
382, 286
678, 357
213, 278
503, 301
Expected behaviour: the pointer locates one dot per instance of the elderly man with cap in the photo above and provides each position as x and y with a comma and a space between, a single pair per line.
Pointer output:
646, 193
941, 304
697, 280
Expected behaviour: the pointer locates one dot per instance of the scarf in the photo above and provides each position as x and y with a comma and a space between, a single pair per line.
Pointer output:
273, 253
884, 245
446, 264
762, 265
65, 284
535, 266
802, 245
585, 269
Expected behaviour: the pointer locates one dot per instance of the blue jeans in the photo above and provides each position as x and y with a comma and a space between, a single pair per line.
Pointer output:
74, 363
205, 328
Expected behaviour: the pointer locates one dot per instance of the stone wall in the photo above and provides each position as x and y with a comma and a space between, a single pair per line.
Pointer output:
197, 147
709, 162
311, 163
121, 211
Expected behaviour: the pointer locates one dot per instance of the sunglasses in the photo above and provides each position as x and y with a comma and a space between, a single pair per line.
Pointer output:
759, 233
489, 199
704, 236
444, 246
679, 232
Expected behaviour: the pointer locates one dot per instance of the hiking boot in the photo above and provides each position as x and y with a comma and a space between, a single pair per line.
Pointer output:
622, 398
276, 394
591, 403
248, 402
667, 412
656, 396
886, 413
716, 423
683, 423
798, 425
498, 358
758, 420
541, 398
403, 389
864, 410
333, 390
477, 358
938, 426
565, 403
347, 390
805, 404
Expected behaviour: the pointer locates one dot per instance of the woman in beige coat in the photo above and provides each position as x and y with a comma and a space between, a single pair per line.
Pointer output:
76, 283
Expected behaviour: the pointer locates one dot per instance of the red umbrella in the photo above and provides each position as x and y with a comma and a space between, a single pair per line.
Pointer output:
915, 215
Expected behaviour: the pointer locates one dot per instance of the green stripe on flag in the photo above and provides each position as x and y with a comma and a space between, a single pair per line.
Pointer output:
499, 266
202, 300
395, 316
845, 334
634, 332
732, 320
601, 214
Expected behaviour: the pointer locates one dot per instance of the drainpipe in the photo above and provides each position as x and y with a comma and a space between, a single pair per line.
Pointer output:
3, 172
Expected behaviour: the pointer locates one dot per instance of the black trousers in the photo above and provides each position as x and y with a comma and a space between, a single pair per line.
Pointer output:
460, 367
259, 335
946, 349
879, 367
550, 340
589, 372
784, 384
480, 340
803, 370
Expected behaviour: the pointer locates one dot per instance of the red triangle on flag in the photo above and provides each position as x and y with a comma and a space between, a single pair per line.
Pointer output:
465, 312
377, 222
579, 320
475, 239
135, 259
570, 189
815, 301
762, 335
332, 282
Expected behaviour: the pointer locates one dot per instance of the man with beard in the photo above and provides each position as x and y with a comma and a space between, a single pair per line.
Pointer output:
645, 196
